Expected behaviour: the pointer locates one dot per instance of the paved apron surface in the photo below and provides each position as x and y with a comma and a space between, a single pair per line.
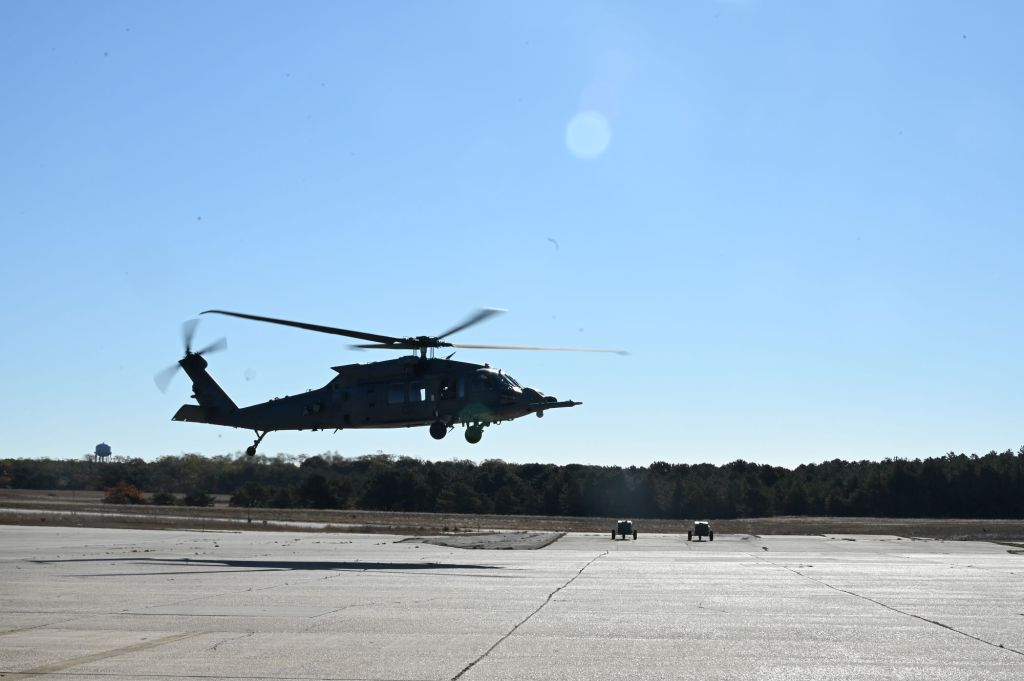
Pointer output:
115, 604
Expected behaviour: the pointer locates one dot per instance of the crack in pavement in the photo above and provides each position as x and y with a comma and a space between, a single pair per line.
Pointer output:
998, 646
318, 620
232, 639
527, 618
701, 606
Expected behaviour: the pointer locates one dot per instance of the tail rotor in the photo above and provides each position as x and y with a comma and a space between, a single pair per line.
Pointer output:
164, 377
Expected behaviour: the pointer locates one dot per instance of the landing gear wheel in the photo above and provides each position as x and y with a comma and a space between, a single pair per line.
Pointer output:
711, 536
634, 535
689, 536
473, 434
251, 451
613, 535
438, 430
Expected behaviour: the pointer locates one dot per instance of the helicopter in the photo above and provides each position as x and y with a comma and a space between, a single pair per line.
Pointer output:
419, 389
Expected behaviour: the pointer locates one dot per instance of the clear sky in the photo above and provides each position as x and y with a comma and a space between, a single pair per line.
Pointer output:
803, 219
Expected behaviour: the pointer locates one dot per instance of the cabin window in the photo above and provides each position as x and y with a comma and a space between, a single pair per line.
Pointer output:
396, 393
480, 383
460, 387
417, 392
446, 389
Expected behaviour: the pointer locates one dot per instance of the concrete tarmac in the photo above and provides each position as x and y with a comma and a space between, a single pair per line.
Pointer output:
128, 604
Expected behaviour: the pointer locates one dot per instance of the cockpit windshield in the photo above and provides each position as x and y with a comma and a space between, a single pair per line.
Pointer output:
489, 379
511, 381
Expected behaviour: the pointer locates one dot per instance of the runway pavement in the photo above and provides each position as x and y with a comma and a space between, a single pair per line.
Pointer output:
116, 604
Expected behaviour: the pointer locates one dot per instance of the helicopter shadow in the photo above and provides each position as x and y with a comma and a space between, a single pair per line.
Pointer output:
236, 565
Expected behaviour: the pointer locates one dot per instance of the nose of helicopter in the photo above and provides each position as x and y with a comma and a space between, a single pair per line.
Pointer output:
533, 396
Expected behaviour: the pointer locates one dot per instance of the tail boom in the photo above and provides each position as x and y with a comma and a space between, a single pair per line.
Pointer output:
214, 404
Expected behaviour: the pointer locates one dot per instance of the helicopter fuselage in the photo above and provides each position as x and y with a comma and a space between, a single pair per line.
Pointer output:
399, 393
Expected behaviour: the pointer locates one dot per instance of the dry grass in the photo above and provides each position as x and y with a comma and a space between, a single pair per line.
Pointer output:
32, 507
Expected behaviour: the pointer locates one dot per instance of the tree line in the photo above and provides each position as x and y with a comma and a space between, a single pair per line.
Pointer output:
954, 485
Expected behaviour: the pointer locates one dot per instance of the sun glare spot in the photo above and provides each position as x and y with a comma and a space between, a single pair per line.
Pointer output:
588, 134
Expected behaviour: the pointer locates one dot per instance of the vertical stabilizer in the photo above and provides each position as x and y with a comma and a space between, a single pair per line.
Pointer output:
211, 397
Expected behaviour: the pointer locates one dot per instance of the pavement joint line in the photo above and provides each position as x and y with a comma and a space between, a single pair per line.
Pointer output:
48, 624
218, 595
527, 618
997, 646
219, 677
57, 667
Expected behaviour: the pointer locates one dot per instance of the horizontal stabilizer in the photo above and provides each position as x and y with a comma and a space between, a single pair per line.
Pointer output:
192, 413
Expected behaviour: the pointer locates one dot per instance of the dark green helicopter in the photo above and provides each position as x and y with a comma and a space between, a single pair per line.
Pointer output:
416, 390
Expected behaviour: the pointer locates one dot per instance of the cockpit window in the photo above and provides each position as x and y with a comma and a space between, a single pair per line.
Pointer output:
493, 381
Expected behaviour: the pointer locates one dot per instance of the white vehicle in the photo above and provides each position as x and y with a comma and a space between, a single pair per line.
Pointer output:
624, 528
701, 528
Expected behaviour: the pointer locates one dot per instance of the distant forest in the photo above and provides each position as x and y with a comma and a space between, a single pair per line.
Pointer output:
954, 485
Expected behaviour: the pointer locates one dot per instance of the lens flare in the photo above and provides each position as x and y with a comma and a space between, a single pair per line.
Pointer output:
588, 134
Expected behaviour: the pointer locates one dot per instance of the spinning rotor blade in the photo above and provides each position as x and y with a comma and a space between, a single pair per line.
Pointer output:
473, 319
163, 378
470, 346
401, 345
215, 346
311, 327
188, 333
530, 347
379, 342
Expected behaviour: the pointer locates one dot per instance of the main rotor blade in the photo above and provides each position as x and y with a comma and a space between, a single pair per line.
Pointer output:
470, 346
311, 327
163, 378
401, 345
215, 346
188, 332
475, 318
530, 347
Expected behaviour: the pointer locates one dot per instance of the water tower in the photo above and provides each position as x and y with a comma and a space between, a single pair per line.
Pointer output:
102, 451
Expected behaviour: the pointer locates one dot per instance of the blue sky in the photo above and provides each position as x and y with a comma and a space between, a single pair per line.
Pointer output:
803, 219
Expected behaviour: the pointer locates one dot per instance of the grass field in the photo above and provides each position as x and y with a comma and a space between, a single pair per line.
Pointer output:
85, 509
